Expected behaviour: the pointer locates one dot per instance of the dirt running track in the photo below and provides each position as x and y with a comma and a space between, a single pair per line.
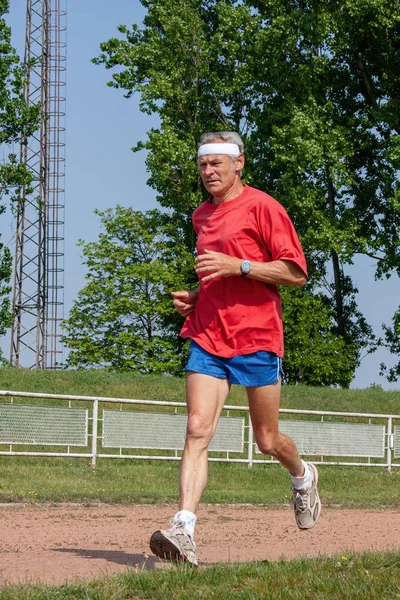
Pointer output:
58, 544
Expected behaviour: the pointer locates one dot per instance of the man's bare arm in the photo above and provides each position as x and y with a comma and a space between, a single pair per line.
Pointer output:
278, 272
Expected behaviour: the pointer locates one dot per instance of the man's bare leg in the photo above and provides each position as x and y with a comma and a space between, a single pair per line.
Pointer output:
205, 397
264, 404
264, 410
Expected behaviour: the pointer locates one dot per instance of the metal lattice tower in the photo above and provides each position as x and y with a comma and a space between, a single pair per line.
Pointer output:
38, 297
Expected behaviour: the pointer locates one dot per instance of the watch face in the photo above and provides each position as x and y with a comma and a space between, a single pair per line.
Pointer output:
245, 267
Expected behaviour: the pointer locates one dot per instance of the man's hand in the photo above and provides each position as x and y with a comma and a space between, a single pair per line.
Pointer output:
218, 264
185, 301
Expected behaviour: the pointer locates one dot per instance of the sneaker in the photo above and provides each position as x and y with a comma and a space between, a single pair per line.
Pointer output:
174, 544
306, 503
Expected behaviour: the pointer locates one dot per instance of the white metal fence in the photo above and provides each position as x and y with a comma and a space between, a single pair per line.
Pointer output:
36, 424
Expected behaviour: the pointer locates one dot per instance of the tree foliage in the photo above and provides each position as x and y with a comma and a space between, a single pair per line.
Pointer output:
123, 318
392, 343
329, 132
313, 87
315, 354
16, 118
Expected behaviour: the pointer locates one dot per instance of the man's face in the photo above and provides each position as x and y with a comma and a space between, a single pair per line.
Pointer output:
219, 172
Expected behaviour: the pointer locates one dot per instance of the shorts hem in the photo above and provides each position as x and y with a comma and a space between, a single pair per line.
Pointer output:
261, 384
231, 381
204, 372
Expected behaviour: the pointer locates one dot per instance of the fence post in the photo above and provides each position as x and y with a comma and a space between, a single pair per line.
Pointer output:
389, 443
95, 417
250, 444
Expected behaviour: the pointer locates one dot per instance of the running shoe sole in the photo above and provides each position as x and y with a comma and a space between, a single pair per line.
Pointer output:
163, 547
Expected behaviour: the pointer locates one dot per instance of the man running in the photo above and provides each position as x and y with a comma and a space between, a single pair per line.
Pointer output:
246, 247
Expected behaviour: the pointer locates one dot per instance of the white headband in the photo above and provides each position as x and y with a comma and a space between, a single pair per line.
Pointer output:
231, 149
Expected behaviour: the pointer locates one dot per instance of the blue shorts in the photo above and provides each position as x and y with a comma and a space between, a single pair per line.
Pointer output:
250, 370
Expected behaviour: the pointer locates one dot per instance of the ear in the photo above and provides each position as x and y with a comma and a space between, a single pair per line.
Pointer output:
240, 162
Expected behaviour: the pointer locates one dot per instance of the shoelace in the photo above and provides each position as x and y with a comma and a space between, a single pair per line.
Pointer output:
177, 525
301, 501
184, 538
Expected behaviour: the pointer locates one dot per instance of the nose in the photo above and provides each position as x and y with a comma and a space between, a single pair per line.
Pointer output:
208, 170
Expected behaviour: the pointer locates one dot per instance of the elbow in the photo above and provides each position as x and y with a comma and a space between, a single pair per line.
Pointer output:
299, 276
300, 281
296, 275
295, 280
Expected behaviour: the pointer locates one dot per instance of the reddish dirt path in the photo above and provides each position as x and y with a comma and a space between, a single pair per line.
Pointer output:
56, 544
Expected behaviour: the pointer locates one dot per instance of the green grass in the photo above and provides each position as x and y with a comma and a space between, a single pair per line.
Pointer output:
155, 387
123, 481
70, 479
347, 577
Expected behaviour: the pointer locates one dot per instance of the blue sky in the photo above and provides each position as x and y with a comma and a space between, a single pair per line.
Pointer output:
101, 170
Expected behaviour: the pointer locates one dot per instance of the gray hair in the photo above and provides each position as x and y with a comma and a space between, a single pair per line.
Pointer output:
231, 137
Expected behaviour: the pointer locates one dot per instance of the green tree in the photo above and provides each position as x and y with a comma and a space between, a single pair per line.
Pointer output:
183, 66
313, 89
16, 119
315, 354
327, 124
123, 318
392, 343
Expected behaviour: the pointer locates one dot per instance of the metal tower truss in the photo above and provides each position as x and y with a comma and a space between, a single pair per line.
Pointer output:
39, 255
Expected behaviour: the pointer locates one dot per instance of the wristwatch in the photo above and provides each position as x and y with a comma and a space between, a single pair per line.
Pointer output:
245, 268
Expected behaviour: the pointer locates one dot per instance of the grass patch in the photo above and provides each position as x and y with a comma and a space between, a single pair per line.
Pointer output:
35, 480
31, 480
155, 387
344, 577
127, 481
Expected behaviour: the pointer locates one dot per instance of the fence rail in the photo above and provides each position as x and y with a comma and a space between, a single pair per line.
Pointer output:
36, 424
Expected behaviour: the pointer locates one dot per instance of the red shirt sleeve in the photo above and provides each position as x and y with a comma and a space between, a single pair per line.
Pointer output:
281, 238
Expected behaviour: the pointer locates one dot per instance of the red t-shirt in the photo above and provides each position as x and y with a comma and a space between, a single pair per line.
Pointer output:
237, 315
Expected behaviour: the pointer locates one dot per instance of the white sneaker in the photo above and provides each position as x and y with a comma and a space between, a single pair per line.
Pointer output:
306, 503
174, 544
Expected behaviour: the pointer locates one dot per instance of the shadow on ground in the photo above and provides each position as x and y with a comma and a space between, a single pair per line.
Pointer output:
114, 556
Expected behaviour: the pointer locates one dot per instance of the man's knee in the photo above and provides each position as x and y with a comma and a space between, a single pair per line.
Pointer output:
199, 429
268, 442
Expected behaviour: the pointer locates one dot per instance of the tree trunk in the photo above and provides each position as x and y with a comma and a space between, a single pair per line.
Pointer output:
336, 264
